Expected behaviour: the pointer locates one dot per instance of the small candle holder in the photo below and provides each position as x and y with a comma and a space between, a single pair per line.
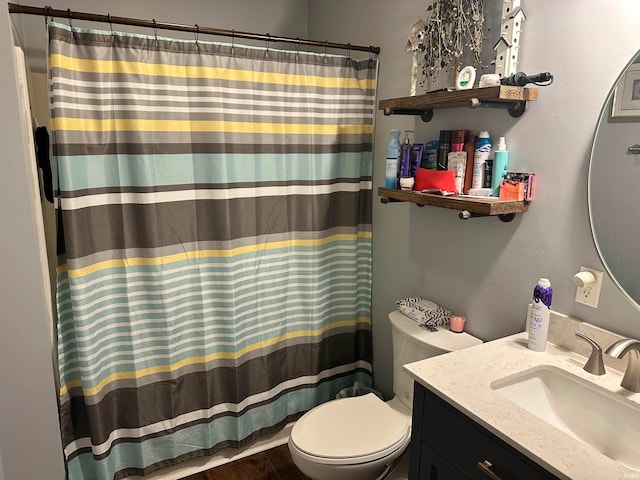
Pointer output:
457, 324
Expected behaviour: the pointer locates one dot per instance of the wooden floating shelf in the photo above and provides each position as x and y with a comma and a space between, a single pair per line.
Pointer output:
467, 206
514, 99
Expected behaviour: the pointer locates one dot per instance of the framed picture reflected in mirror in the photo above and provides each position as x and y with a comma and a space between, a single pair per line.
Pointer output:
626, 97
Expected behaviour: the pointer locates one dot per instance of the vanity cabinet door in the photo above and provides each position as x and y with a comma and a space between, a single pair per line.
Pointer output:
468, 449
434, 467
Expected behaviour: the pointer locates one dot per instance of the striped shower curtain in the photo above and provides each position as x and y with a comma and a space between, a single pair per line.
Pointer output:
214, 212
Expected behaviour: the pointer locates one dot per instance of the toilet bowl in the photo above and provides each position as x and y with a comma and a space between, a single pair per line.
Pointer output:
356, 438
362, 438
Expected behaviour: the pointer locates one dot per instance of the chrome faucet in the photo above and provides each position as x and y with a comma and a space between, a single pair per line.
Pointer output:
631, 379
595, 364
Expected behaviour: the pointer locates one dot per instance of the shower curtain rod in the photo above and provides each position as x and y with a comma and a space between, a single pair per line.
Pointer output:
196, 29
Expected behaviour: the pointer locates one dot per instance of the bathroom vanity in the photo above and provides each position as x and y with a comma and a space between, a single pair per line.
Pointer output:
451, 446
501, 411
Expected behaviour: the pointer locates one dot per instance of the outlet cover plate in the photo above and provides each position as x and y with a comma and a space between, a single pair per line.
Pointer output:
590, 295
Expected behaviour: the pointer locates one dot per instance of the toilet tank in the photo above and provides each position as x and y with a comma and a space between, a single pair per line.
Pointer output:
412, 343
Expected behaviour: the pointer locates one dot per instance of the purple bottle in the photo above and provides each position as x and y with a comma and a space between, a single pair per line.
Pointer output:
539, 316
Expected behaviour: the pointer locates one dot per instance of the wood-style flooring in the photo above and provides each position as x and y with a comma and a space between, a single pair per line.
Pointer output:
273, 464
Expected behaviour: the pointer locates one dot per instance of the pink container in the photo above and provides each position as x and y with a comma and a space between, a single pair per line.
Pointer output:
457, 324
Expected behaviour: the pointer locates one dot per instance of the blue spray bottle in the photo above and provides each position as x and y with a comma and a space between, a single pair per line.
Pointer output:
500, 165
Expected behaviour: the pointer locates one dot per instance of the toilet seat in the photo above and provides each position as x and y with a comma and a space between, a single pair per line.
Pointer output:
350, 431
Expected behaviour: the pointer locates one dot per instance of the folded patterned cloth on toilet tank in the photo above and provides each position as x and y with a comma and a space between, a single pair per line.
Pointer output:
426, 313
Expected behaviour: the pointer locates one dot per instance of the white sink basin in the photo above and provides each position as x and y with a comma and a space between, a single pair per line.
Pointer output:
587, 412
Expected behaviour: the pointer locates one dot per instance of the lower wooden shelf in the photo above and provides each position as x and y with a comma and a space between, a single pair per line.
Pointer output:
468, 206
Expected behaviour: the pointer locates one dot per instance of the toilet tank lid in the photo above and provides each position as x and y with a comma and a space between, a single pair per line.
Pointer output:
442, 339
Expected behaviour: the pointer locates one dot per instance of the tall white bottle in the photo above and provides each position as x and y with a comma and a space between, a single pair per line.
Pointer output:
539, 316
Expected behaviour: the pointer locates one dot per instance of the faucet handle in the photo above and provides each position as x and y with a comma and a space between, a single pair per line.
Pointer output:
631, 379
595, 364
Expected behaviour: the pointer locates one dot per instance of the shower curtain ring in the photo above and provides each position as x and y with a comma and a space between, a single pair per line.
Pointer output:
268, 42
47, 17
196, 34
155, 31
113, 35
298, 48
233, 40
326, 46
70, 24
349, 51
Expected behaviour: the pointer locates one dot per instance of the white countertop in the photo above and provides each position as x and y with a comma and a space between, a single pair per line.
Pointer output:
463, 379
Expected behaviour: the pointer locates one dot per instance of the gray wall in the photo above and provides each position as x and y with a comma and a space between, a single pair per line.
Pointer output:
483, 268
29, 432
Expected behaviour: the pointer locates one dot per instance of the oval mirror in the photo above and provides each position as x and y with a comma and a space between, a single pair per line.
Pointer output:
614, 182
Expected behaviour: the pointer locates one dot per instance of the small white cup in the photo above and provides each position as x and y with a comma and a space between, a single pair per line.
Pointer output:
406, 183
489, 80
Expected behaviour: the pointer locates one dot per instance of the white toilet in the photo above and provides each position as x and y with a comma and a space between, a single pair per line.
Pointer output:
360, 438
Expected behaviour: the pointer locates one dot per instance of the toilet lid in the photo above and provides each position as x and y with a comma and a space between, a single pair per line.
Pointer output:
351, 430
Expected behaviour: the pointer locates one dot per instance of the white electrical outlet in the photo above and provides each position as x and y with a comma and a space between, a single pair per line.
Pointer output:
589, 294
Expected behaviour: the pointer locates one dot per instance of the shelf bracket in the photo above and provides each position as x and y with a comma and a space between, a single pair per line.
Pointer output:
506, 217
466, 214
515, 108
425, 115
385, 200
